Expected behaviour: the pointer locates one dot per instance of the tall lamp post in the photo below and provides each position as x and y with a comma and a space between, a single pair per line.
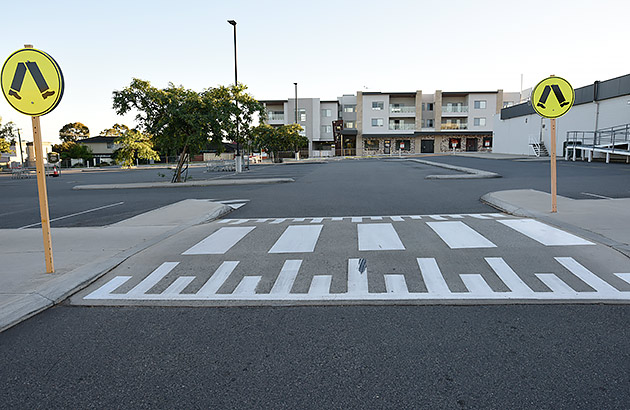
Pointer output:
238, 158
297, 154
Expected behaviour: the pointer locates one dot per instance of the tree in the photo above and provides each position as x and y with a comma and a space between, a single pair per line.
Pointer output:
185, 121
134, 144
290, 135
8, 133
73, 131
116, 131
276, 139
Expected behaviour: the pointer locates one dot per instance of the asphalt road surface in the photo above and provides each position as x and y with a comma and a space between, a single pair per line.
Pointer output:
479, 355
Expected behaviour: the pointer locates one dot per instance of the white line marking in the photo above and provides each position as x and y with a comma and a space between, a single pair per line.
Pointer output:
376, 218
217, 279
396, 218
479, 216
543, 233
317, 220
378, 237
279, 220
297, 238
432, 276
179, 285
596, 196
357, 219
232, 201
556, 284
458, 235
287, 276
508, 276
320, 285
152, 280
247, 285
104, 291
75, 214
299, 219
623, 276
396, 284
336, 219
224, 221
415, 217
497, 215
456, 216
587, 276
220, 241
476, 283
239, 221
235, 206
437, 217
262, 220
357, 281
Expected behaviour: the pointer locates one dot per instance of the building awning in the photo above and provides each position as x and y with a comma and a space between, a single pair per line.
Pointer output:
349, 132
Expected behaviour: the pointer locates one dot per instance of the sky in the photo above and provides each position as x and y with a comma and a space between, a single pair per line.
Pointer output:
329, 48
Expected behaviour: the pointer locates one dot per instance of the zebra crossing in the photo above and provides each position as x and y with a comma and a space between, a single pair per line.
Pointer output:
283, 259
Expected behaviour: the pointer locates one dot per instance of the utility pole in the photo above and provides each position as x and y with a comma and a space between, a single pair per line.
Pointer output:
238, 159
21, 154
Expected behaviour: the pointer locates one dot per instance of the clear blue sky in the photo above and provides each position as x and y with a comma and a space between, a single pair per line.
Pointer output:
328, 47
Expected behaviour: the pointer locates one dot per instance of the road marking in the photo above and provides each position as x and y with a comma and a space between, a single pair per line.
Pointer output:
220, 241
458, 235
479, 216
279, 220
396, 284
104, 291
595, 195
437, 217
179, 285
543, 233
357, 280
287, 276
396, 218
556, 284
320, 285
152, 280
233, 201
297, 238
475, 283
337, 219
376, 218
508, 276
75, 214
247, 285
216, 280
317, 220
586, 275
432, 276
415, 217
357, 219
235, 206
299, 219
378, 237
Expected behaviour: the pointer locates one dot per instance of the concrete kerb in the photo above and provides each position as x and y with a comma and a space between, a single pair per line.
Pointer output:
501, 205
56, 291
217, 182
469, 173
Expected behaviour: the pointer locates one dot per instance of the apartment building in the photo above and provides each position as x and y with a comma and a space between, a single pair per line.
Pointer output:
415, 122
315, 116
377, 123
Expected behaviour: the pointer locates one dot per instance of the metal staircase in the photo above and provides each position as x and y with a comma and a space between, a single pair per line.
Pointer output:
604, 142
539, 148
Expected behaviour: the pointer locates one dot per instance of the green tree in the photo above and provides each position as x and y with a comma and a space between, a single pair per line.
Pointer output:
276, 139
185, 121
8, 134
72, 150
73, 131
290, 135
134, 144
116, 131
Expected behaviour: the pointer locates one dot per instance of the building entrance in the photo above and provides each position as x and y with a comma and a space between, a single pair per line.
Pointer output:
471, 144
427, 146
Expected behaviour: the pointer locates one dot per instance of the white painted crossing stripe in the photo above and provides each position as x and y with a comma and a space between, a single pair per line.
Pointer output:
508, 276
357, 219
299, 219
479, 216
396, 218
432, 276
376, 218
556, 284
297, 238
337, 219
247, 285
437, 217
278, 220
220, 241
586, 275
455, 216
623, 276
497, 215
378, 237
235, 206
357, 280
233, 201
262, 220
317, 220
476, 283
179, 285
238, 221
320, 285
152, 280
458, 235
218, 278
415, 217
287, 276
543, 233
224, 221
104, 291
396, 284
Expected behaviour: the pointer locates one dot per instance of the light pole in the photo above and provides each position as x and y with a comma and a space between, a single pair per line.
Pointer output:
297, 154
238, 159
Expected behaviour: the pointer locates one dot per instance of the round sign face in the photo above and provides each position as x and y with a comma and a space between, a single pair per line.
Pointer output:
552, 97
32, 82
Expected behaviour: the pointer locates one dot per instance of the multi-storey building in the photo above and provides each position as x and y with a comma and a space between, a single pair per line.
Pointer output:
398, 122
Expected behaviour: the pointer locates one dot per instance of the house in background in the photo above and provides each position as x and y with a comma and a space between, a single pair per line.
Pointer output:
102, 148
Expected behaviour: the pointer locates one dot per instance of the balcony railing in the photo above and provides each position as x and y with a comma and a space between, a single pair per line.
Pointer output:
455, 108
402, 126
402, 109
460, 126
276, 116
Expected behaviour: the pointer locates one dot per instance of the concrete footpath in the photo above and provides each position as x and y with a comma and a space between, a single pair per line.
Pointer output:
603, 220
82, 255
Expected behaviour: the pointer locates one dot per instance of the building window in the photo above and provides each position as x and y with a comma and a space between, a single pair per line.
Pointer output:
377, 105
370, 144
326, 112
480, 122
302, 114
430, 123
303, 132
487, 142
377, 122
508, 104
429, 106
403, 145
326, 129
110, 145
349, 125
349, 108
480, 104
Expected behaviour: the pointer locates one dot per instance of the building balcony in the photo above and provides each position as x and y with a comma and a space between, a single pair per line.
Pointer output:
455, 110
402, 126
402, 110
455, 126
275, 117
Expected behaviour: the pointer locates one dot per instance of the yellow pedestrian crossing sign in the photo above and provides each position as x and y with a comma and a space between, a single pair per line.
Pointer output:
32, 82
552, 97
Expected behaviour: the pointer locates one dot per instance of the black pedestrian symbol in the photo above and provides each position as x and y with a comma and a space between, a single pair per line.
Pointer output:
557, 92
18, 79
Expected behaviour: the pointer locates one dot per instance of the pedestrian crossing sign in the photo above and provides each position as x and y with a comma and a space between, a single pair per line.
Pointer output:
552, 97
32, 82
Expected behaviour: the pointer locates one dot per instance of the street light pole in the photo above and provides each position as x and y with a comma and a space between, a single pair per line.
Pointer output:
296, 104
21, 154
238, 158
